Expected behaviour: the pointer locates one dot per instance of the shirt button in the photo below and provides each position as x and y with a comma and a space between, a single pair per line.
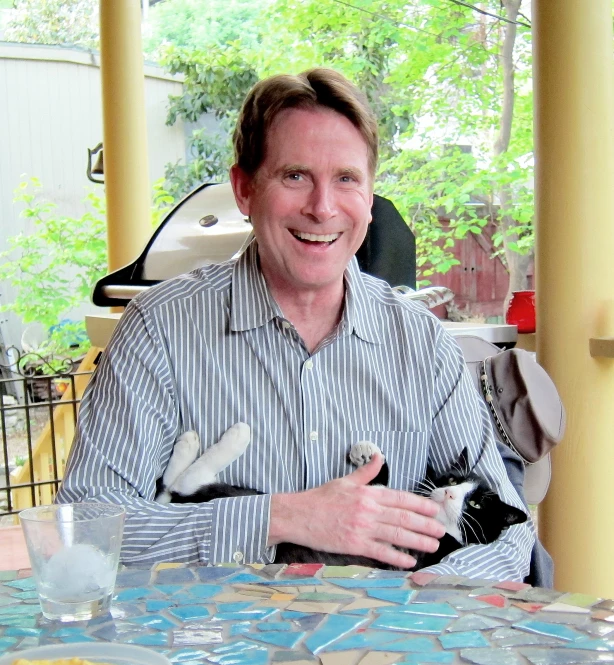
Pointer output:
237, 557
313, 436
285, 325
309, 364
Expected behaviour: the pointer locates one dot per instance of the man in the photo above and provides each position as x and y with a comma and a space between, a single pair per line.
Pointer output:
293, 340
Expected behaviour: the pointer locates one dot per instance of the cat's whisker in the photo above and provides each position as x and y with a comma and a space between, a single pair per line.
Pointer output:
466, 525
466, 518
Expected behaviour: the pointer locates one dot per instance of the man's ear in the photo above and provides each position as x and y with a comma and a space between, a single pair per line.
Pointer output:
241, 186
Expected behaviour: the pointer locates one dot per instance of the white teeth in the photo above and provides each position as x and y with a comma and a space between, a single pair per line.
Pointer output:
317, 238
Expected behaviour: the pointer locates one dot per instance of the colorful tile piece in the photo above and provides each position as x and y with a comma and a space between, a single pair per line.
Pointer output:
189, 612
22, 585
324, 608
239, 628
174, 576
474, 622
422, 579
508, 637
537, 656
493, 599
325, 597
340, 657
132, 578
411, 645
470, 638
303, 569
423, 659
288, 640
491, 656
400, 596
335, 627
435, 596
344, 571
257, 613
427, 609
510, 614
511, 586
283, 656
274, 625
155, 622
369, 582
196, 636
549, 629
213, 574
466, 604
411, 623
528, 607
126, 595
578, 599
253, 654
361, 640
563, 607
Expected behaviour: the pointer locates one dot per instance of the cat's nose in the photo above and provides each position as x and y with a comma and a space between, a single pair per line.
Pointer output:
449, 494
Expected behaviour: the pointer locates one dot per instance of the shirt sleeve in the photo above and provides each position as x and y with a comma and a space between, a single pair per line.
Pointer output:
462, 419
126, 430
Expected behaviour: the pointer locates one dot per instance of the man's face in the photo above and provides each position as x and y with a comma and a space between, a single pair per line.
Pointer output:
310, 200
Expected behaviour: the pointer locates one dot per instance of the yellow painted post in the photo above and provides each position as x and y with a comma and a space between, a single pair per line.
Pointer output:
126, 170
574, 143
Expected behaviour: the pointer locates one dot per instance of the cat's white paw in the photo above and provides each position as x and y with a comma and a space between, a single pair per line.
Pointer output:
362, 452
187, 447
235, 440
185, 451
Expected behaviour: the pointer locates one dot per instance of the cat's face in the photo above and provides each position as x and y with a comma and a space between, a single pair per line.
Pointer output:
470, 511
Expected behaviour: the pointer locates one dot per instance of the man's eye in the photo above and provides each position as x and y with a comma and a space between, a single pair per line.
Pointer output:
295, 177
347, 178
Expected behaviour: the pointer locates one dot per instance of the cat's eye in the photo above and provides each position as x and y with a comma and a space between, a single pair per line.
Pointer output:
452, 481
475, 504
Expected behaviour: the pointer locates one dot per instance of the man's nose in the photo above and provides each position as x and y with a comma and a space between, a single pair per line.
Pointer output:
321, 203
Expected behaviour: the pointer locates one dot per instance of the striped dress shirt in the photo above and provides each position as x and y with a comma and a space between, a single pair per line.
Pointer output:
212, 348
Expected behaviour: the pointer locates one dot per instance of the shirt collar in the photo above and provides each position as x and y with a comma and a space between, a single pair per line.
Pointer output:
358, 316
252, 305
251, 302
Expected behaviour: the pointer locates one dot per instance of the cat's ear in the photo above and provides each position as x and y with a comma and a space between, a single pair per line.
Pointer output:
430, 472
463, 461
514, 515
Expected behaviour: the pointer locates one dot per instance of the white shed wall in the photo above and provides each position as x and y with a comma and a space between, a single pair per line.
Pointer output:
50, 114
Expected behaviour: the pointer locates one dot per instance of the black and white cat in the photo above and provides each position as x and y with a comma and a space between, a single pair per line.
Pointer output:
470, 511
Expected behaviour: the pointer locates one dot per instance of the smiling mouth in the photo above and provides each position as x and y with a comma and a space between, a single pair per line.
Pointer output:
313, 238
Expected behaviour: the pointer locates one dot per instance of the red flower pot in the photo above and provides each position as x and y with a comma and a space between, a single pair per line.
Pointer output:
521, 311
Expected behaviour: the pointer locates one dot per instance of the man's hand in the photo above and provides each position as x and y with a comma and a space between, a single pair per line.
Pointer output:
348, 516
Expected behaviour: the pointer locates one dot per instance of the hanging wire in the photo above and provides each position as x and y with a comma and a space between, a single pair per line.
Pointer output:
398, 24
483, 11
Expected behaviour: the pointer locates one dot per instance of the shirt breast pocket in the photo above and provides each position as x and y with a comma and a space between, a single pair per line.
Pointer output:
406, 454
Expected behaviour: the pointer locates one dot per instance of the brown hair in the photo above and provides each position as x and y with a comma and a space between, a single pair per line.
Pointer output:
319, 87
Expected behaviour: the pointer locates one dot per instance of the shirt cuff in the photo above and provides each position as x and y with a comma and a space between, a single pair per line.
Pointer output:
240, 529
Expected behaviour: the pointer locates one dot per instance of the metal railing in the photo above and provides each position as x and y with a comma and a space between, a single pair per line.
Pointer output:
38, 415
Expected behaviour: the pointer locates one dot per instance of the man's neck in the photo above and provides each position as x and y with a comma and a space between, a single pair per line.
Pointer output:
314, 314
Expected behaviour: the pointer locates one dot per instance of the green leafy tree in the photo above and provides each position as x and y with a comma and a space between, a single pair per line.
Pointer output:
442, 78
215, 82
55, 22
55, 266
200, 24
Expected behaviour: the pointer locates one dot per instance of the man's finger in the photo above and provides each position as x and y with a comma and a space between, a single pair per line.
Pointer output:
366, 473
407, 501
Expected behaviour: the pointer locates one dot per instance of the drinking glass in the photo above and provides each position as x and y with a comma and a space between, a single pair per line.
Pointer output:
74, 554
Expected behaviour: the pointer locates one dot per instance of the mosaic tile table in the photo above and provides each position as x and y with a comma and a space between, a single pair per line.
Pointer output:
309, 614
